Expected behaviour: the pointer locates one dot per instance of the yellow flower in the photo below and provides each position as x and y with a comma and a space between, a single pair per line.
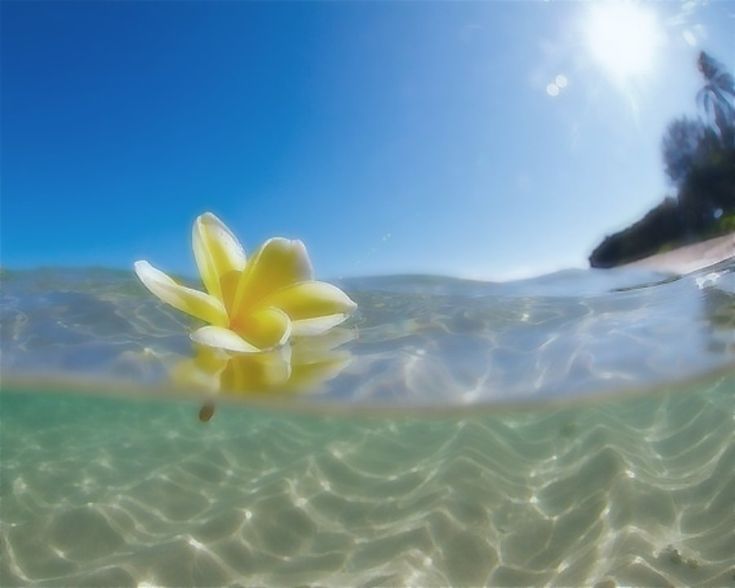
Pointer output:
250, 305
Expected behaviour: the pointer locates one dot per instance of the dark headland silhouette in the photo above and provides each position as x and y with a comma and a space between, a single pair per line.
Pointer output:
699, 158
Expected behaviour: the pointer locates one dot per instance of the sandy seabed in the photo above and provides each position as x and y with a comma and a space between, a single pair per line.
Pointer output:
108, 492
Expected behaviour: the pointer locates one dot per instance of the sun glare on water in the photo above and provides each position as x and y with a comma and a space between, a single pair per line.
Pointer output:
623, 38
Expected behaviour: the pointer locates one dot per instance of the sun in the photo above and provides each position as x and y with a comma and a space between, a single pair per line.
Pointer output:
623, 37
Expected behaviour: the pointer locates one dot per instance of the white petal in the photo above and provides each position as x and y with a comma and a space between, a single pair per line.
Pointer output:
316, 326
193, 302
222, 338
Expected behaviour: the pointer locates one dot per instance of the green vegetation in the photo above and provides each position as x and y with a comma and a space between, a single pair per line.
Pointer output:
699, 158
724, 225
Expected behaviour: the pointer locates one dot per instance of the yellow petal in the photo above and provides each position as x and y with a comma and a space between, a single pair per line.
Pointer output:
222, 338
264, 328
217, 252
229, 282
198, 304
309, 300
278, 263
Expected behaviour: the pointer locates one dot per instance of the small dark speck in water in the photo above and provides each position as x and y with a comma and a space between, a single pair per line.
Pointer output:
673, 554
206, 412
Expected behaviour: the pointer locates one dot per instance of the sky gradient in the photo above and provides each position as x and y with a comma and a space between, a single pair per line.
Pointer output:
390, 137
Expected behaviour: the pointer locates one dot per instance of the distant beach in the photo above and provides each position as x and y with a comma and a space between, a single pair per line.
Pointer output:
690, 258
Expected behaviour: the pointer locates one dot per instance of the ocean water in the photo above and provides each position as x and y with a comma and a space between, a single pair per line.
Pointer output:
573, 429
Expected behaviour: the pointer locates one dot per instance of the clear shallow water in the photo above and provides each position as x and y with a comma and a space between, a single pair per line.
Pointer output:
104, 491
416, 341
613, 485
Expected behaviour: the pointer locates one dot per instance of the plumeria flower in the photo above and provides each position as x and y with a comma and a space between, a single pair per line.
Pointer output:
252, 304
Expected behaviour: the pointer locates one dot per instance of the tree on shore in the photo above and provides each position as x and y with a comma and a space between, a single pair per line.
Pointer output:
699, 155
687, 142
681, 147
717, 98
699, 159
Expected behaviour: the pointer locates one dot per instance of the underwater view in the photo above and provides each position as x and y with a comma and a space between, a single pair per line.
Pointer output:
573, 429
396, 294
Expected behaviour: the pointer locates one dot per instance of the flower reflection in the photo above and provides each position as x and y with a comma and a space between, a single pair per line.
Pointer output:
301, 367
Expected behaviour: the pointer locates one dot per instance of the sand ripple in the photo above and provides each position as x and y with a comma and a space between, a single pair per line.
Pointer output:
103, 492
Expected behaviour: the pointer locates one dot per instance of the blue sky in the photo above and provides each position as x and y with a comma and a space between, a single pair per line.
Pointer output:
390, 137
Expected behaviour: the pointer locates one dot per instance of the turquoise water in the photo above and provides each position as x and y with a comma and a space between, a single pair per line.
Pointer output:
576, 429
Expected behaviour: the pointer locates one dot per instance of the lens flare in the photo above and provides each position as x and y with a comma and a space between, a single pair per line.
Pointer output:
623, 38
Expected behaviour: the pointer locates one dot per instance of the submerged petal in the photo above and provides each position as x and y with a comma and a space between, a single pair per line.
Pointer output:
217, 252
222, 338
198, 304
255, 373
317, 325
278, 263
306, 348
201, 372
309, 300
312, 375
264, 328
